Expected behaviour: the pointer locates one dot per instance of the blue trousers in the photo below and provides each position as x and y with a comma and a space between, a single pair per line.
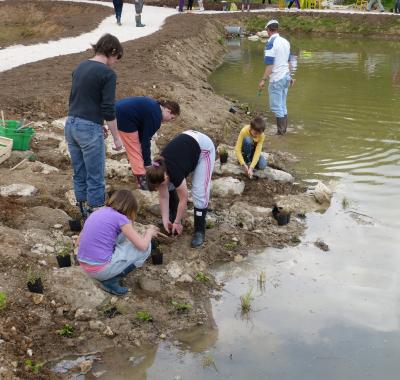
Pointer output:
277, 92
248, 149
86, 146
118, 4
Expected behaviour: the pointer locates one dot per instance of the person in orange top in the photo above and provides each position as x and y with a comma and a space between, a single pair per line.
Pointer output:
249, 146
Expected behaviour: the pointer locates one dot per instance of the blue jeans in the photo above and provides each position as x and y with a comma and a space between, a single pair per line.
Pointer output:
248, 149
118, 8
277, 96
86, 146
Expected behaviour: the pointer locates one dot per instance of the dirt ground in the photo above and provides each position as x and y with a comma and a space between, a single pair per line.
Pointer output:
27, 23
172, 63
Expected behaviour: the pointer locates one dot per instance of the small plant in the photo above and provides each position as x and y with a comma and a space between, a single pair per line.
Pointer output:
63, 248
32, 366
34, 281
67, 331
223, 155
3, 300
221, 40
201, 277
181, 306
262, 277
245, 301
208, 361
345, 203
231, 245
32, 275
144, 316
210, 224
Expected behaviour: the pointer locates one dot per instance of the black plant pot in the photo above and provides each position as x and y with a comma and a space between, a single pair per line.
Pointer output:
35, 287
75, 225
282, 217
64, 261
157, 258
223, 158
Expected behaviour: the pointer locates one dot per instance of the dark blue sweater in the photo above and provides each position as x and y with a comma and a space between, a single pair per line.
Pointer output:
139, 114
92, 94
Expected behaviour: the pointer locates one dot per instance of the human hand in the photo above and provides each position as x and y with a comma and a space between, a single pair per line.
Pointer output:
117, 143
167, 226
261, 84
250, 172
105, 131
246, 168
177, 228
292, 82
153, 230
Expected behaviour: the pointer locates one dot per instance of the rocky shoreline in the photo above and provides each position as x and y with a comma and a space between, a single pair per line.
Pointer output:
174, 63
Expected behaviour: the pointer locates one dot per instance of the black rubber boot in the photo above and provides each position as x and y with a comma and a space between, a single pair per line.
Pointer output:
83, 208
173, 205
199, 227
119, 21
280, 124
127, 270
138, 19
113, 286
285, 117
142, 182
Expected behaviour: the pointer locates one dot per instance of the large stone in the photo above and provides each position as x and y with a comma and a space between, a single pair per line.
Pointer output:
242, 216
63, 148
70, 195
253, 38
225, 186
174, 269
18, 190
322, 193
149, 285
11, 242
274, 174
74, 287
148, 200
40, 167
41, 217
59, 123
118, 169
262, 34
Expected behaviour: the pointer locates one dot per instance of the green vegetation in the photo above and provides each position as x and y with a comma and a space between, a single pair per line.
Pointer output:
3, 300
67, 331
32, 275
201, 277
63, 248
144, 316
231, 245
245, 301
221, 40
345, 203
181, 306
262, 277
208, 361
32, 366
323, 23
210, 224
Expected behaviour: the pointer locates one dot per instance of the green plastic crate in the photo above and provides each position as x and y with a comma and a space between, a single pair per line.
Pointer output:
21, 139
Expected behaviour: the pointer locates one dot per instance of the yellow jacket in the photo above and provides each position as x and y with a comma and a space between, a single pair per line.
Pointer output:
259, 141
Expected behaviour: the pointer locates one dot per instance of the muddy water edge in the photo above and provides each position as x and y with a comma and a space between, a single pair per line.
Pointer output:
175, 63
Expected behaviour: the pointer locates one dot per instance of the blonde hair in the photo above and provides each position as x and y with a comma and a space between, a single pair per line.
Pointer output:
124, 202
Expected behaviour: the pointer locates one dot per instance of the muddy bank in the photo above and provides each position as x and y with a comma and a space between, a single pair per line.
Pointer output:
173, 63
31, 22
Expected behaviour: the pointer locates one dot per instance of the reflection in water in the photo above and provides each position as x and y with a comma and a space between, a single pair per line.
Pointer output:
321, 315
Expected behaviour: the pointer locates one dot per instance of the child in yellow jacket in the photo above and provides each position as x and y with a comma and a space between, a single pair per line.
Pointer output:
249, 146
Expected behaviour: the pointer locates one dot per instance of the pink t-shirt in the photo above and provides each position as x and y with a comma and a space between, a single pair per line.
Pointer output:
99, 234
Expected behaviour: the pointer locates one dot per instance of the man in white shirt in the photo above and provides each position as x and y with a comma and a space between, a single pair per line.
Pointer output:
277, 70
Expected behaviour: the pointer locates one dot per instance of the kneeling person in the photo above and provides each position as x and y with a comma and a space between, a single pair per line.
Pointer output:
109, 246
249, 146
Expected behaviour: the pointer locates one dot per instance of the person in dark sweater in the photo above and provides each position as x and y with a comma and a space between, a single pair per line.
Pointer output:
91, 102
139, 118
118, 5
189, 152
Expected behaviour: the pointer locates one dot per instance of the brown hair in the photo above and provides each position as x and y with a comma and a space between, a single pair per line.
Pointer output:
258, 124
273, 27
155, 174
108, 45
124, 202
171, 105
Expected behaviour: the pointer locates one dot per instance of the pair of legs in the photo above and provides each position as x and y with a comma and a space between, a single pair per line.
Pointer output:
181, 4
246, 4
86, 146
125, 259
277, 92
379, 4
190, 5
118, 4
133, 149
201, 187
396, 6
138, 10
291, 3
248, 149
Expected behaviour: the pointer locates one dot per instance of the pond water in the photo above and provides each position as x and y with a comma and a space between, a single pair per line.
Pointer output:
320, 315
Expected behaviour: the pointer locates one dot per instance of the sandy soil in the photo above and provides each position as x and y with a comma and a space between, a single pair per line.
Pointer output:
173, 63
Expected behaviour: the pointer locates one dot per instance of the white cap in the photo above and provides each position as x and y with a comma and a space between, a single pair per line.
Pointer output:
270, 22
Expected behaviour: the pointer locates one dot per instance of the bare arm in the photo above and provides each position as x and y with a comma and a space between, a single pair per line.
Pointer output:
267, 73
140, 242
183, 198
112, 126
164, 205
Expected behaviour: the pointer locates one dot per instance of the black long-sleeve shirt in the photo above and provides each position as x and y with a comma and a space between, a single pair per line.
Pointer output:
92, 94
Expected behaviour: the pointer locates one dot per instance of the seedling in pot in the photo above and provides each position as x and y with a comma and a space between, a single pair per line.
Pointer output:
245, 302
201, 277
144, 316
67, 331
157, 252
34, 281
223, 155
181, 307
63, 251
280, 215
32, 366
3, 300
